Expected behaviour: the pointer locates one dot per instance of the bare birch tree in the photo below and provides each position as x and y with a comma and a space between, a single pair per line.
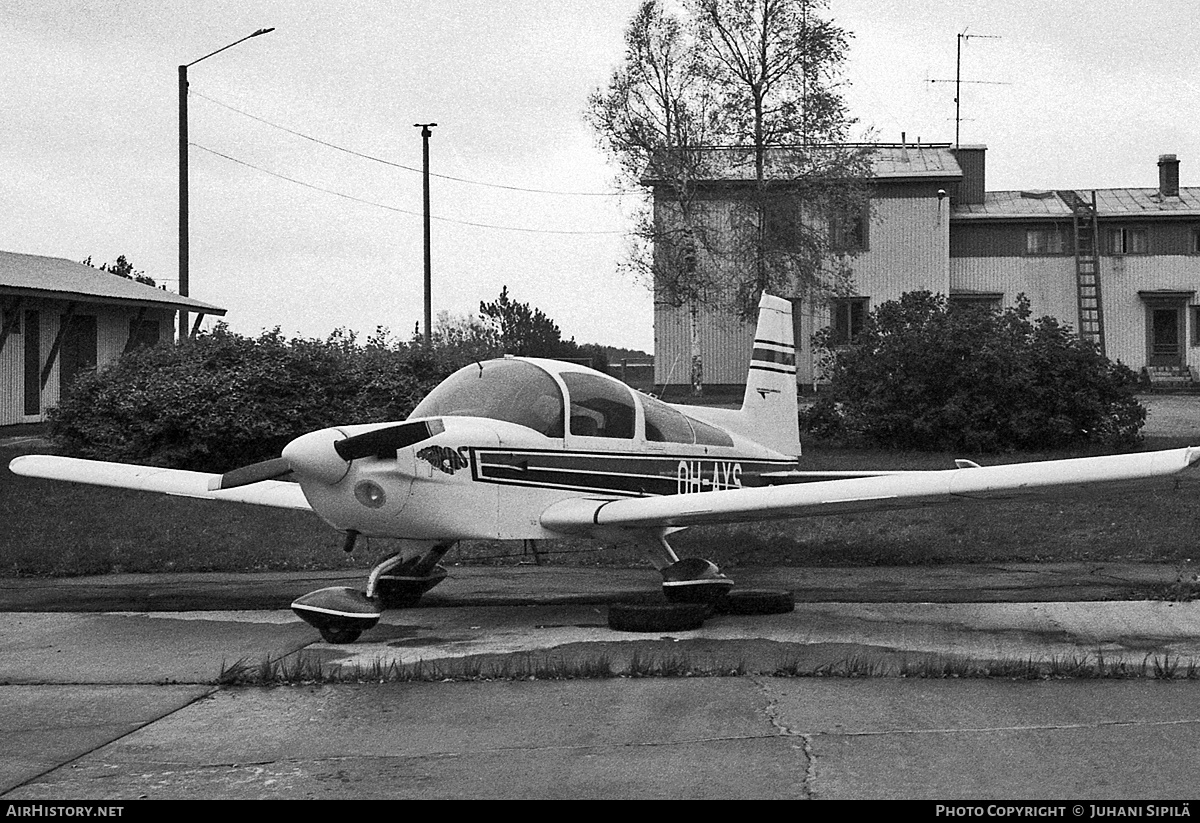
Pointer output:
737, 90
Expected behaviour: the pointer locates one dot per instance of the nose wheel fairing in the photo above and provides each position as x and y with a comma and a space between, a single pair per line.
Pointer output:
341, 613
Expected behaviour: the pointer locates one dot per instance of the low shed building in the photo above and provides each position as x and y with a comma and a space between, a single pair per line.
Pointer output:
59, 318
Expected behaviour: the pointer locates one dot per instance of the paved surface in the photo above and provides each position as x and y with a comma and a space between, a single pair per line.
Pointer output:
108, 688
122, 702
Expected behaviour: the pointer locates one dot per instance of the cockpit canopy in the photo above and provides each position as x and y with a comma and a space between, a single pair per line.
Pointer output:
511, 390
518, 391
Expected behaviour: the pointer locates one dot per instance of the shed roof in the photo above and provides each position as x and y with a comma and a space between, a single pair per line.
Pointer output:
57, 277
1139, 203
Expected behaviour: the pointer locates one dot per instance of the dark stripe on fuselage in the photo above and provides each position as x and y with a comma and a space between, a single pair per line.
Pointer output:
635, 475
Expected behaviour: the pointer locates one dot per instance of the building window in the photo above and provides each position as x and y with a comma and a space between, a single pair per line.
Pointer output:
1195, 246
1054, 239
848, 317
782, 228
1127, 241
1195, 325
142, 334
848, 229
989, 301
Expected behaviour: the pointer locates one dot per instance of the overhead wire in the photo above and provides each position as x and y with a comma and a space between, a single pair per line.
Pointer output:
394, 208
393, 164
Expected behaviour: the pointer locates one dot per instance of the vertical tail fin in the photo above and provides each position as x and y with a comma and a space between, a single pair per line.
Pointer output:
769, 411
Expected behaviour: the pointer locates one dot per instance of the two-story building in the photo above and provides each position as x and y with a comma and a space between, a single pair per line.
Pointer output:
1122, 266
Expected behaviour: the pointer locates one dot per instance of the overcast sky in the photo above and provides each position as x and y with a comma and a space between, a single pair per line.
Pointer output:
1078, 94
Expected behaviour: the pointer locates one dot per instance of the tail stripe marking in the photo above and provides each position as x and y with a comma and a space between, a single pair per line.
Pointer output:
786, 358
757, 367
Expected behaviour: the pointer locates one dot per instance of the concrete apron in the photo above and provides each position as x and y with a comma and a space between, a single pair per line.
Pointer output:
194, 647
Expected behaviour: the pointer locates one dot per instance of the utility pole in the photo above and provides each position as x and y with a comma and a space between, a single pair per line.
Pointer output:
425, 135
183, 177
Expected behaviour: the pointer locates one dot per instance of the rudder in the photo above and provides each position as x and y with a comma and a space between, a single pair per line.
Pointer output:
769, 412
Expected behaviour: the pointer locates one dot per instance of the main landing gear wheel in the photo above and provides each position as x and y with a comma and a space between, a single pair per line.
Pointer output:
756, 601
396, 590
657, 617
694, 580
399, 582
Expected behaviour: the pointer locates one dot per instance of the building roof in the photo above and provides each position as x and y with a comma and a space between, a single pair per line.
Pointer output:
894, 161
910, 161
1023, 205
57, 277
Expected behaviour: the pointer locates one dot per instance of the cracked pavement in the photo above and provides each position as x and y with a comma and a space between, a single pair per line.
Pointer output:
120, 705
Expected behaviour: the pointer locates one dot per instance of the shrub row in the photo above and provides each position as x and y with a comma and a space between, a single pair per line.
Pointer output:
223, 400
924, 374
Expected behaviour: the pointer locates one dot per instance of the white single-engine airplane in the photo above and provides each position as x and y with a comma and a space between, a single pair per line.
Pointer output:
524, 448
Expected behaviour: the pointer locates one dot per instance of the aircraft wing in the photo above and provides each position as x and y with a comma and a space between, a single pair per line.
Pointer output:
583, 515
277, 493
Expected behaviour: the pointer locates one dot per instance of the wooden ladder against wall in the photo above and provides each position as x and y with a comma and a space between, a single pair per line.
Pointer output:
1087, 267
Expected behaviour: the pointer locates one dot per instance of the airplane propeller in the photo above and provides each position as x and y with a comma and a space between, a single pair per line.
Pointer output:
255, 473
311, 454
386, 442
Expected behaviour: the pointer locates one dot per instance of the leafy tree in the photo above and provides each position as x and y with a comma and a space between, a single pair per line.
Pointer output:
465, 338
524, 330
927, 375
123, 268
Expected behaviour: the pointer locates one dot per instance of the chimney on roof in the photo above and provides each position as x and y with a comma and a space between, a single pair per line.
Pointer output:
1168, 175
971, 161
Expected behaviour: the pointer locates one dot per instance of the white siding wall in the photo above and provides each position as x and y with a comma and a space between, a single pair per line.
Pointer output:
1121, 278
112, 332
725, 345
1049, 282
908, 248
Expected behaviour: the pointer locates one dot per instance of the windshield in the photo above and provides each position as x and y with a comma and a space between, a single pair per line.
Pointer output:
509, 390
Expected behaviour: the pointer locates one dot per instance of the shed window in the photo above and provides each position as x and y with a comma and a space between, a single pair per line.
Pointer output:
1195, 245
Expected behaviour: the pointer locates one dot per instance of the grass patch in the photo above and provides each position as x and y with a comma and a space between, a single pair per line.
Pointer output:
50, 529
310, 669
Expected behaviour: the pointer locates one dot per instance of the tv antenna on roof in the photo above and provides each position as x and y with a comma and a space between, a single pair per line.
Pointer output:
958, 81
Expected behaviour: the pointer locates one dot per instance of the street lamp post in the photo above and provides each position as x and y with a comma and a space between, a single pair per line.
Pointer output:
425, 135
183, 175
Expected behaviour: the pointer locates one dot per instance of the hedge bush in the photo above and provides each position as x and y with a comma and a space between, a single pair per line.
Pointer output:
927, 375
221, 400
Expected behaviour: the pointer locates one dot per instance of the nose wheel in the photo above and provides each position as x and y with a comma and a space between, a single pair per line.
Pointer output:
339, 613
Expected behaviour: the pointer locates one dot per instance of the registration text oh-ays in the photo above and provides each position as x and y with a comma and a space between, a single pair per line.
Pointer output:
708, 475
